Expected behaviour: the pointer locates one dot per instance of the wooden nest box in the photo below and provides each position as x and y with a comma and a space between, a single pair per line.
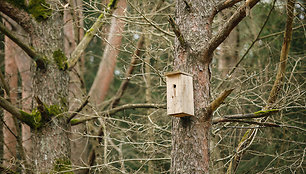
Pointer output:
179, 94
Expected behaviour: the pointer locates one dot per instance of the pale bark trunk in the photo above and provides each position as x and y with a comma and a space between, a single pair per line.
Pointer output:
11, 75
190, 135
24, 64
105, 72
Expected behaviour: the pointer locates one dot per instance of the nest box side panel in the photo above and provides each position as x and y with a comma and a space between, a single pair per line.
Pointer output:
187, 95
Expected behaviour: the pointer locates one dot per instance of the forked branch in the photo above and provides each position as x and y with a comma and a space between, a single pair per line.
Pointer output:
222, 34
223, 5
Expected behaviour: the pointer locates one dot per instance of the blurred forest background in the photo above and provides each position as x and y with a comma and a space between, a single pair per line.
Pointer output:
135, 47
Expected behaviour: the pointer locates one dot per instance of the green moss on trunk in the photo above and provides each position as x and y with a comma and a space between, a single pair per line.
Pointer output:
62, 165
60, 59
33, 120
37, 118
39, 9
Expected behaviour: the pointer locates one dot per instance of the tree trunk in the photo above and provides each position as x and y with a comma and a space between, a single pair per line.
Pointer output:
9, 130
51, 145
23, 62
190, 135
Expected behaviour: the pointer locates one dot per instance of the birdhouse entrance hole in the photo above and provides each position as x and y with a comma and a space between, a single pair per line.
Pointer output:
174, 89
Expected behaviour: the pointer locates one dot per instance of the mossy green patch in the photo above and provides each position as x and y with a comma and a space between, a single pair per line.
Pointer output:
18, 3
112, 4
74, 121
39, 9
62, 165
266, 111
60, 59
33, 120
37, 118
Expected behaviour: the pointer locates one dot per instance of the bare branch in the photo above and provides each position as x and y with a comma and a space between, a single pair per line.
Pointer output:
124, 83
27, 49
78, 110
235, 19
223, 5
117, 109
257, 114
76, 54
9, 107
246, 121
284, 55
219, 100
229, 74
177, 32
18, 15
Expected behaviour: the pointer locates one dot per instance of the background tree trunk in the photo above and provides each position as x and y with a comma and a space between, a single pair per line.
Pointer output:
73, 31
190, 135
9, 129
105, 72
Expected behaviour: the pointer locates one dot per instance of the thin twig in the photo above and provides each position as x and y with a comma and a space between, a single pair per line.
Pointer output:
78, 110
150, 22
117, 109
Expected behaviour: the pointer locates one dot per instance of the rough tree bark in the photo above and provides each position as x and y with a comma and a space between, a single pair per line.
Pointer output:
51, 143
43, 22
190, 135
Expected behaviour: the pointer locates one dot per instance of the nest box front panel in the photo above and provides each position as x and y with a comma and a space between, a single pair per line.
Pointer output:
180, 95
